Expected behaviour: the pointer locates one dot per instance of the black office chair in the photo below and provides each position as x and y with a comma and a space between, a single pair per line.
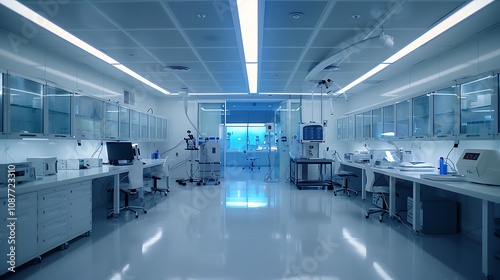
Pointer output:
134, 186
344, 176
382, 192
252, 160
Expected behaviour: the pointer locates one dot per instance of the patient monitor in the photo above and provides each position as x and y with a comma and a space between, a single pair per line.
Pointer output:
480, 166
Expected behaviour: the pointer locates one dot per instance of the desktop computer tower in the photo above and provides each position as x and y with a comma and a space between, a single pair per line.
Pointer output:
437, 215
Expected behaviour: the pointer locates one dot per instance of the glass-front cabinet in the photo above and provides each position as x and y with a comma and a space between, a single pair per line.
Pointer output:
358, 126
159, 122
111, 122
89, 117
345, 128
26, 107
420, 116
339, 129
124, 123
388, 126
477, 112
2, 91
367, 124
377, 123
135, 124
59, 111
164, 129
152, 127
144, 126
403, 119
444, 108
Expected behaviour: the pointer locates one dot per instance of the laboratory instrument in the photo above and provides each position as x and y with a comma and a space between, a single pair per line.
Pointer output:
480, 166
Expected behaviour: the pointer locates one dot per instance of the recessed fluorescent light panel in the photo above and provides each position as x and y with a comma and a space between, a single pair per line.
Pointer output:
248, 13
63, 34
435, 31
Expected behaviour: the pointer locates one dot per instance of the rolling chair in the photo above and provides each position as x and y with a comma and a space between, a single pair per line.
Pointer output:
252, 161
344, 176
134, 185
381, 191
165, 175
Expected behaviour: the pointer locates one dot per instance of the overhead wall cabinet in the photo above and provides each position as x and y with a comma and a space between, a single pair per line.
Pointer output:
477, 109
466, 111
152, 127
2, 95
403, 120
59, 111
124, 123
25, 107
144, 126
111, 122
89, 117
135, 124
445, 112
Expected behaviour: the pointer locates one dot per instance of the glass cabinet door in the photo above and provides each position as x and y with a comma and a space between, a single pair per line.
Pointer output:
377, 123
135, 124
152, 127
403, 120
367, 125
2, 90
358, 124
388, 130
164, 129
111, 122
345, 128
159, 123
339, 129
26, 106
89, 117
124, 123
144, 126
59, 111
420, 116
476, 110
350, 123
444, 111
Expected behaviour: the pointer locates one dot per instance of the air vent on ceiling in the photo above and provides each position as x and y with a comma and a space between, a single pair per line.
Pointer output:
331, 68
176, 68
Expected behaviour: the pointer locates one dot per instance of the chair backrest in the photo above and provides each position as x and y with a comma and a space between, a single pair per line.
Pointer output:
370, 178
166, 167
135, 175
336, 167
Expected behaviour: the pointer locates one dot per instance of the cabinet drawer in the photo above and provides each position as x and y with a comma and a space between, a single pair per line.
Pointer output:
80, 190
23, 201
49, 199
79, 209
54, 211
80, 227
52, 226
49, 241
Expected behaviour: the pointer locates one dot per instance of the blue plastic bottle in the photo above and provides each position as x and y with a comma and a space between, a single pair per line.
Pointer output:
443, 167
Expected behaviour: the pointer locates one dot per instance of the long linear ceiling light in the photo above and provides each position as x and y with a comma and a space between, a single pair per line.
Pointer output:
248, 13
435, 31
65, 35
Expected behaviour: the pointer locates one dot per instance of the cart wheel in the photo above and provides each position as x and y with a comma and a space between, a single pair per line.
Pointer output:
366, 215
37, 260
380, 218
64, 246
145, 211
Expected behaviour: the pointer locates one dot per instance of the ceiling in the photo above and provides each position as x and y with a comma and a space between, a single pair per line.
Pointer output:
204, 37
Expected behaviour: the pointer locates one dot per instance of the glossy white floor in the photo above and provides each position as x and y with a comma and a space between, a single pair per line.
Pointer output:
248, 229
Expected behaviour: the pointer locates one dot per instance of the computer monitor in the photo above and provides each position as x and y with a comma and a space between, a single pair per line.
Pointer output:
120, 153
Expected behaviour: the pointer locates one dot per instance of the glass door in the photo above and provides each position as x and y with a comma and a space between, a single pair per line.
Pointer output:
211, 119
26, 107
477, 110
124, 123
111, 121
59, 111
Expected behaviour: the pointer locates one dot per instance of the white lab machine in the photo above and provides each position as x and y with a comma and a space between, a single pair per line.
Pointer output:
309, 135
44, 166
480, 166
384, 157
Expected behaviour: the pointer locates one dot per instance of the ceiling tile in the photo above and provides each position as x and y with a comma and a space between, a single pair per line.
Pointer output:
278, 14
159, 38
200, 14
137, 14
220, 54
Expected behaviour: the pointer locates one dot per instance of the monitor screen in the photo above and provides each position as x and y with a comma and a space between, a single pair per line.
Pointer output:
312, 133
120, 152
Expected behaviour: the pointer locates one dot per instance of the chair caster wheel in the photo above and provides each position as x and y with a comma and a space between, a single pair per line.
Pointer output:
366, 215
145, 211
136, 216
380, 219
37, 260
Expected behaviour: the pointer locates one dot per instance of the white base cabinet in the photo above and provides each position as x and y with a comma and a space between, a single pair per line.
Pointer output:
46, 219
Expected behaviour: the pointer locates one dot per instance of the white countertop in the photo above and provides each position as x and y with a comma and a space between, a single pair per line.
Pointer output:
65, 177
